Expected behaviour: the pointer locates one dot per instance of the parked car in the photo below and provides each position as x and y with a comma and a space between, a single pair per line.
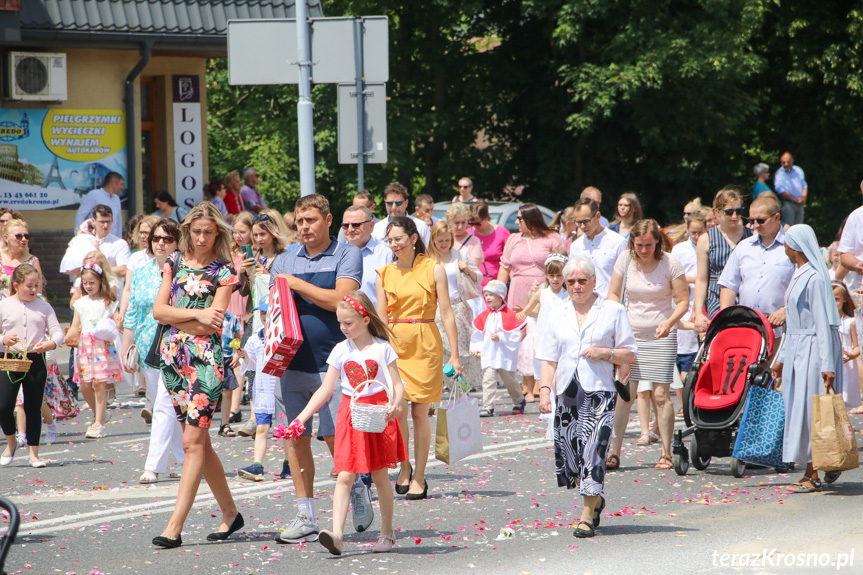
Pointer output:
500, 213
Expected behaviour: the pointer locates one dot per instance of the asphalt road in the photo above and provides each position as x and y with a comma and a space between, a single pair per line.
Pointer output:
499, 511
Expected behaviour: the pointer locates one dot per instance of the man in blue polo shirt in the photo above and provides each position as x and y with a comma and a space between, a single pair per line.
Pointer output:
320, 274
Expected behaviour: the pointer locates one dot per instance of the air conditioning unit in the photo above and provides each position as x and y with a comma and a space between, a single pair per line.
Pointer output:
36, 76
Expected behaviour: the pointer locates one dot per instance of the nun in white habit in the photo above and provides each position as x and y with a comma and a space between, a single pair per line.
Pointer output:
811, 358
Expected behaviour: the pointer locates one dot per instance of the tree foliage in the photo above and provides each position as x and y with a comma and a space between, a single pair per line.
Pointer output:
671, 99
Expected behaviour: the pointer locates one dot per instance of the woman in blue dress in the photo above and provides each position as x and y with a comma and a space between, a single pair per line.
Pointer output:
812, 349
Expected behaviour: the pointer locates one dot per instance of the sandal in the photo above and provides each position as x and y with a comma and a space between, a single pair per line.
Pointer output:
801, 487
384, 544
646, 439
149, 477
597, 513
486, 412
831, 476
612, 463
664, 463
226, 431
583, 533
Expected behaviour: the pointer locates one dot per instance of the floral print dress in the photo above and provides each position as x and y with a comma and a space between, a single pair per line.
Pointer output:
191, 365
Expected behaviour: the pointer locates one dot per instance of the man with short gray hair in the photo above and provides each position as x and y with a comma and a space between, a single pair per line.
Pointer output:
252, 200
357, 225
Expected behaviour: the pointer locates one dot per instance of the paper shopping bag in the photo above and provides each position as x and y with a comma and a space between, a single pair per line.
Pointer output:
834, 447
458, 432
759, 438
283, 335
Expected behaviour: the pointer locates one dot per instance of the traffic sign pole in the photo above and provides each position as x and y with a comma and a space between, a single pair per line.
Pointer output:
305, 117
361, 127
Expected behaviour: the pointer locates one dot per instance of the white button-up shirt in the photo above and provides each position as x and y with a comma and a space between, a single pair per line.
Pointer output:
759, 274
380, 230
602, 250
605, 326
375, 256
851, 241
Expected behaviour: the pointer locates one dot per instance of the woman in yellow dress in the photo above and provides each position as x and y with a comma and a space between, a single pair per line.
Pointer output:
409, 292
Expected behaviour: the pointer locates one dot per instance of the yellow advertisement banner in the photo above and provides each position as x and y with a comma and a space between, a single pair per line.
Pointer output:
84, 135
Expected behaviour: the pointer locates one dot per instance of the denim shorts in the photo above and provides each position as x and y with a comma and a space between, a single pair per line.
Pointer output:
263, 418
293, 394
684, 361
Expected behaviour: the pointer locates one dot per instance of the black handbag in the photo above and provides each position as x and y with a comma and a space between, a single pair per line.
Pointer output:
153, 355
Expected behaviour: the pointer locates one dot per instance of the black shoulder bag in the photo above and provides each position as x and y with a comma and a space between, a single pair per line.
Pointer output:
153, 356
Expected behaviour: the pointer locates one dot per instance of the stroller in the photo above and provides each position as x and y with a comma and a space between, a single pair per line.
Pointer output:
734, 355
11, 531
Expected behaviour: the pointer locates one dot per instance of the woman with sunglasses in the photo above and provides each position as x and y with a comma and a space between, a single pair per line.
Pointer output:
713, 250
579, 353
6, 215
16, 236
492, 238
522, 265
628, 212
651, 285
139, 327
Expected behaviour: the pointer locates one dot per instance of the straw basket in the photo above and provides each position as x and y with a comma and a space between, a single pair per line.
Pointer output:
16, 364
367, 417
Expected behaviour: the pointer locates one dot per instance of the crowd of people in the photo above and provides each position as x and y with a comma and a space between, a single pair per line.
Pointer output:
582, 314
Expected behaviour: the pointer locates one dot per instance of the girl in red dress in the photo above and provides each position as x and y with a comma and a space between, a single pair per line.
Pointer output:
365, 354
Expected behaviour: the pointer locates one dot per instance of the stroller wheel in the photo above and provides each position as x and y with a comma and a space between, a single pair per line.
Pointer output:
738, 468
698, 462
680, 461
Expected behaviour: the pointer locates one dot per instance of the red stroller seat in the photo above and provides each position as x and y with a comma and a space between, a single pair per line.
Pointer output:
722, 379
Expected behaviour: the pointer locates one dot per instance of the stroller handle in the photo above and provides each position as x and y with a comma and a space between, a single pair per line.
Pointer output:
14, 523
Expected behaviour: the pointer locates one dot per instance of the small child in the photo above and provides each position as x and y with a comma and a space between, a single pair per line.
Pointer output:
495, 341
544, 302
264, 398
232, 329
365, 354
96, 361
850, 346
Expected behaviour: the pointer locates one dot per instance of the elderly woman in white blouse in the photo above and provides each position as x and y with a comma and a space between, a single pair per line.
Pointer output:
579, 354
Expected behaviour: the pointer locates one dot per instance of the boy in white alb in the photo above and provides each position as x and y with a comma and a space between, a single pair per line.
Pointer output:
495, 341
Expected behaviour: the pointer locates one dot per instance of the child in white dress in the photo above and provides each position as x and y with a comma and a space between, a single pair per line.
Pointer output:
850, 346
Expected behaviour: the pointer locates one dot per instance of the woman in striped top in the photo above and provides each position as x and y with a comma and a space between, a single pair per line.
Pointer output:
713, 250
652, 287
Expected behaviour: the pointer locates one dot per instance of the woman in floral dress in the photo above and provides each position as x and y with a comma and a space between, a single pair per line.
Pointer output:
196, 287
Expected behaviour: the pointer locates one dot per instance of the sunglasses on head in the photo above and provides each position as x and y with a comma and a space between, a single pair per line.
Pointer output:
579, 281
261, 218
353, 225
732, 211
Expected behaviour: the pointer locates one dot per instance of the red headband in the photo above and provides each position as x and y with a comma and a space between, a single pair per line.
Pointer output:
356, 305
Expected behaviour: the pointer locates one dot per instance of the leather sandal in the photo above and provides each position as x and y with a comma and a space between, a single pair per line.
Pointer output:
664, 463
226, 431
584, 533
801, 487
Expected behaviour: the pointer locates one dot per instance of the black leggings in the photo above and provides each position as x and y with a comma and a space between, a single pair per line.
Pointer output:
34, 393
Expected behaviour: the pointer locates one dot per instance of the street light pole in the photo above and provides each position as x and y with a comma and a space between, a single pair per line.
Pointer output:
304, 105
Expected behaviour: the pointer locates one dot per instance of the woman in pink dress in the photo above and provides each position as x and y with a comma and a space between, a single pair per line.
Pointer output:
492, 238
523, 266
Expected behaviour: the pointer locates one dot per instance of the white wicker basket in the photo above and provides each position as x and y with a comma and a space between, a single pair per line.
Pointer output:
365, 416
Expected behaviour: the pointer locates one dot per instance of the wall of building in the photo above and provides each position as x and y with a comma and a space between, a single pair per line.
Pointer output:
96, 80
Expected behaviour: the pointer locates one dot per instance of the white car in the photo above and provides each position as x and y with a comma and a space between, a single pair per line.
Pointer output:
500, 213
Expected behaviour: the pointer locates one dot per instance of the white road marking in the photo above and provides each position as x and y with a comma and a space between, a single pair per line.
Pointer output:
81, 520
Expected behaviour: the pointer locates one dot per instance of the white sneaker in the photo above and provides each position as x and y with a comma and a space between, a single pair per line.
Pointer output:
301, 530
22, 438
51, 433
96, 431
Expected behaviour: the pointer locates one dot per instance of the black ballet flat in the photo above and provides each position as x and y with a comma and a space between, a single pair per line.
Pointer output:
168, 543
236, 525
402, 489
419, 496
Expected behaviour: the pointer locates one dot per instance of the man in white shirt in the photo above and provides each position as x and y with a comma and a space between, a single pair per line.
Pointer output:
366, 200
758, 270
595, 195
596, 242
357, 227
396, 199
107, 195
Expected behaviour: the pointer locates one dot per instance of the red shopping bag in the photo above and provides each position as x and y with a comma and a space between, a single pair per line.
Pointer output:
282, 334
